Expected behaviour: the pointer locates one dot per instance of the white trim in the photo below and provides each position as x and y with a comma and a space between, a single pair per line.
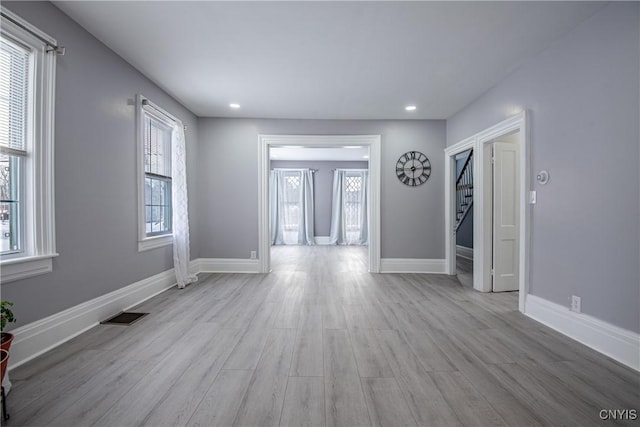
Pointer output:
36, 338
29, 27
39, 221
481, 274
617, 343
21, 268
412, 265
322, 240
228, 265
145, 242
155, 242
373, 142
464, 252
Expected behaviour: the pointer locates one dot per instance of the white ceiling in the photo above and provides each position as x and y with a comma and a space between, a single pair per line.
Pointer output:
319, 153
327, 60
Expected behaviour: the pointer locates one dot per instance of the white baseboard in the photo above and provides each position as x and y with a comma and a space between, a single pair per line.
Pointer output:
228, 265
464, 252
322, 240
617, 343
412, 265
38, 337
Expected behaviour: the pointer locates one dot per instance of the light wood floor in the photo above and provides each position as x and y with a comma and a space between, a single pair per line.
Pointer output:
322, 342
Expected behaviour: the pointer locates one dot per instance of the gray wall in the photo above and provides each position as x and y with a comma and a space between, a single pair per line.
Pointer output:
95, 173
583, 95
323, 187
412, 219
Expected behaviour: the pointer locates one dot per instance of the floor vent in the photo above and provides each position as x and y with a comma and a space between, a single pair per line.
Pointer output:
124, 319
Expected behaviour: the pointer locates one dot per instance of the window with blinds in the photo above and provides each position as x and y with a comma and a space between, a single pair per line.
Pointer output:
157, 171
14, 108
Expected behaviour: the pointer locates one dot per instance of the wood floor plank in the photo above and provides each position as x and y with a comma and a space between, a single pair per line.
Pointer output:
246, 354
77, 406
262, 404
338, 354
386, 404
220, 404
134, 406
467, 402
180, 402
345, 404
370, 359
304, 402
308, 360
425, 401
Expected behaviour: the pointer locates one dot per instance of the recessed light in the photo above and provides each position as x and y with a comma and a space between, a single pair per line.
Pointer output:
234, 106
410, 108
365, 157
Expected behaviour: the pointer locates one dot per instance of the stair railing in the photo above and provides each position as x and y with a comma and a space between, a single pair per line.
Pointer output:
464, 190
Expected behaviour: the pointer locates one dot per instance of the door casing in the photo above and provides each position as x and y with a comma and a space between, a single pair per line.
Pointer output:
482, 234
370, 141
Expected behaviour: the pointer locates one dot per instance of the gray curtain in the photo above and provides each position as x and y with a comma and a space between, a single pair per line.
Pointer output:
350, 213
291, 206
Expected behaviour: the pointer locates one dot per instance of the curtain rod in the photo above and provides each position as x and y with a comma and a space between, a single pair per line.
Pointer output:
294, 169
145, 102
350, 170
60, 50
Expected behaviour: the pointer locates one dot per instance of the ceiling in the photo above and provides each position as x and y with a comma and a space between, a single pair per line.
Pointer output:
352, 153
327, 60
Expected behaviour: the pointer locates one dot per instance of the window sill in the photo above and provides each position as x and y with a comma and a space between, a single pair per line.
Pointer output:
155, 242
21, 268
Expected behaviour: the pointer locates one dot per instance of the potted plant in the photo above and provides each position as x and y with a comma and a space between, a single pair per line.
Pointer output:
6, 316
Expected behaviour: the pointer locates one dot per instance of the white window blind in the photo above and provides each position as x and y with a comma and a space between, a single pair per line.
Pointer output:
14, 90
14, 97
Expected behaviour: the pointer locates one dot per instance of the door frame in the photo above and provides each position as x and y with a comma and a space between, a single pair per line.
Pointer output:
372, 142
482, 233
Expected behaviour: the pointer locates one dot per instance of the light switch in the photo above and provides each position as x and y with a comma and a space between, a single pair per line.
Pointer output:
532, 197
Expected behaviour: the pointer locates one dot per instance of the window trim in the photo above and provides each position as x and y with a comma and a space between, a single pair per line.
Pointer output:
39, 240
145, 106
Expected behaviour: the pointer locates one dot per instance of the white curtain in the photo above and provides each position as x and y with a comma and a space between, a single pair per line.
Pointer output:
291, 206
180, 208
350, 213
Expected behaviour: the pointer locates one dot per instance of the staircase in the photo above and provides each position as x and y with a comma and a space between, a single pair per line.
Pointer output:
464, 190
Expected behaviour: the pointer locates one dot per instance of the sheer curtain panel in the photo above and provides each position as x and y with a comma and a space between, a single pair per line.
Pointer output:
291, 206
180, 205
350, 213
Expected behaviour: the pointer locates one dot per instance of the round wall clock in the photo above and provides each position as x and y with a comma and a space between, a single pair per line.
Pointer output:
413, 168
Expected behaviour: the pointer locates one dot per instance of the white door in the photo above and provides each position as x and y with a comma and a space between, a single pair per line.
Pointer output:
506, 227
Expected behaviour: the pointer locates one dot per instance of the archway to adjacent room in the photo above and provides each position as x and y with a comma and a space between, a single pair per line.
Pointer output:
267, 142
515, 129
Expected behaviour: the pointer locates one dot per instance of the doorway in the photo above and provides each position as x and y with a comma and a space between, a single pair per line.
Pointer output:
483, 224
370, 142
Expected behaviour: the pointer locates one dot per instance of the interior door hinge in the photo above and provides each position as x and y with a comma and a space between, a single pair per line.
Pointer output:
493, 272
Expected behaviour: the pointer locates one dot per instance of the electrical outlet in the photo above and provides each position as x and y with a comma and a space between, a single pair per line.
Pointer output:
253, 254
576, 304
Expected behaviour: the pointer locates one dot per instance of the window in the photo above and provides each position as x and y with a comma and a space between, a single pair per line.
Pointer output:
27, 69
155, 149
353, 205
292, 202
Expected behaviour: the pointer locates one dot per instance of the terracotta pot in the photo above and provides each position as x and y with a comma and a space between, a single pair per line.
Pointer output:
4, 361
7, 339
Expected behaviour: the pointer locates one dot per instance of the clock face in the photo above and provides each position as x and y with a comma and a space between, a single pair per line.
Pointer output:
413, 168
